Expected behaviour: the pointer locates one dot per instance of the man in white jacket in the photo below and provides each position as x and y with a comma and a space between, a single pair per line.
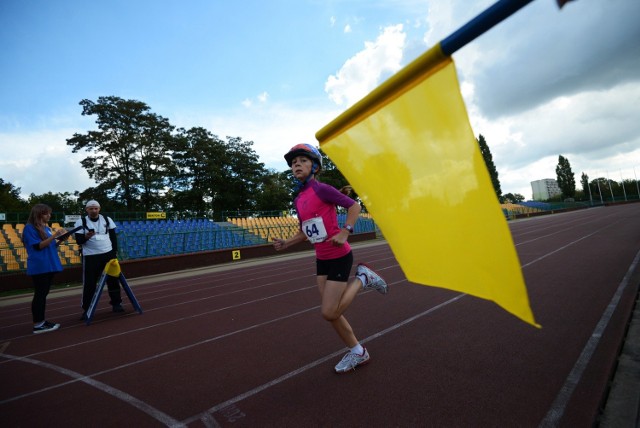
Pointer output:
99, 245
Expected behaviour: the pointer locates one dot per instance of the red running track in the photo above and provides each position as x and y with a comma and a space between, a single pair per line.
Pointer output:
244, 345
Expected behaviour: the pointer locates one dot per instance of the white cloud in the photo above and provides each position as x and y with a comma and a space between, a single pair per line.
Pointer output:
541, 53
273, 128
547, 82
589, 129
362, 73
261, 98
47, 166
543, 83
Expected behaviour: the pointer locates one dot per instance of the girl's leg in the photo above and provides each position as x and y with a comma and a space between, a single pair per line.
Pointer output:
336, 298
343, 328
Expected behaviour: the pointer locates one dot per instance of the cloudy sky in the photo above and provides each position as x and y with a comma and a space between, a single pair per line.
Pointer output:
544, 83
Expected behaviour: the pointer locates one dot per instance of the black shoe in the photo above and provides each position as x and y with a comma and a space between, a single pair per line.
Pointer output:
46, 327
118, 308
84, 316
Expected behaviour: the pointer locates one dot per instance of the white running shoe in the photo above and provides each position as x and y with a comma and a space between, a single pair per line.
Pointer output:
374, 280
350, 361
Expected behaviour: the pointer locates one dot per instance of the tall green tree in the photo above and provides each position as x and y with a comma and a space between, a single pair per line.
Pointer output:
10, 199
631, 188
488, 161
513, 198
584, 180
199, 157
566, 178
59, 202
244, 176
330, 173
154, 157
101, 194
215, 175
275, 194
128, 152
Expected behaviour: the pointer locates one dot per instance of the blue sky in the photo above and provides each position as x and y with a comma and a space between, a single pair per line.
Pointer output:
546, 82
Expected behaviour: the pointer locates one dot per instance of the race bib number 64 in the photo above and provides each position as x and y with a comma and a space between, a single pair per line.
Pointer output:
315, 230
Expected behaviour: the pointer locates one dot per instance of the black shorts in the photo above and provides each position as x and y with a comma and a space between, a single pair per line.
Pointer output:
335, 269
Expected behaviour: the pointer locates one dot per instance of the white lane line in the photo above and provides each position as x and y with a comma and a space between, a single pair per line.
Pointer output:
558, 250
206, 414
88, 378
569, 244
152, 357
552, 419
164, 323
77, 377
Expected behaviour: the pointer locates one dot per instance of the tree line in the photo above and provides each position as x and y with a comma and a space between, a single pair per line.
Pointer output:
141, 162
598, 189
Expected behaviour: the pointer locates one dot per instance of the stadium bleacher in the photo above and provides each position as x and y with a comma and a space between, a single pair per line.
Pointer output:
13, 254
149, 238
511, 210
153, 238
541, 206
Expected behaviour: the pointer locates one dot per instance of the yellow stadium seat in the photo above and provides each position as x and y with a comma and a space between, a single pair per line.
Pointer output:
13, 265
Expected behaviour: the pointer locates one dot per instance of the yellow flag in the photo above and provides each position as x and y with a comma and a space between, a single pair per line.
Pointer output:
410, 153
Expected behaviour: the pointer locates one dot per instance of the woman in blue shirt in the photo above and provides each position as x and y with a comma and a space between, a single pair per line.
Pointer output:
42, 262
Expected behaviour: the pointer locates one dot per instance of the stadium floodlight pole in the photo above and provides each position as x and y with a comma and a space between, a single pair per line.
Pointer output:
613, 199
589, 187
600, 191
491, 16
623, 189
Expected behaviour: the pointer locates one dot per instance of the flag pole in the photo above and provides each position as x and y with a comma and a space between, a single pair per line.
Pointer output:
491, 16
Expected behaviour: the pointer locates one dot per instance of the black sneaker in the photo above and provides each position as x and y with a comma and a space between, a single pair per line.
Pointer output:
45, 327
118, 308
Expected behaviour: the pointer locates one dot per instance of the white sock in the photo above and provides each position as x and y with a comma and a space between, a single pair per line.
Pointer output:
363, 279
358, 349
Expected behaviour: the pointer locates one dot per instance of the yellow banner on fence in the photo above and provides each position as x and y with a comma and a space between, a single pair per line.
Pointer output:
156, 215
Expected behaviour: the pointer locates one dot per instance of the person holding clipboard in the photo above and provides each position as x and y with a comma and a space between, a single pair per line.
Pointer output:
97, 236
43, 262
